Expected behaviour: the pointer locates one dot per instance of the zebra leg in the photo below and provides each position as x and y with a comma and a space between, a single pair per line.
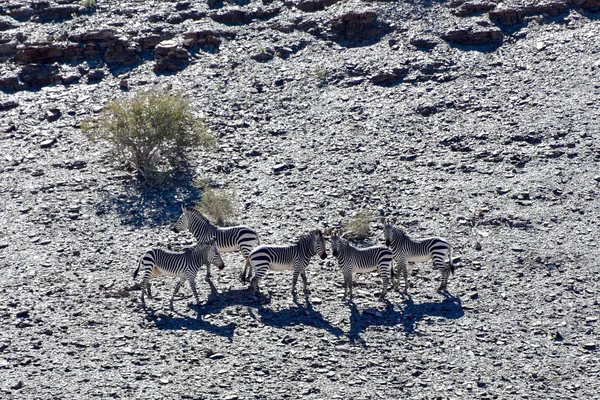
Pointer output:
297, 270
259, 272
208, 274
404, 270
243, 277
444, 283
385, 279
345, 286
192, 281
304, 281
177, 286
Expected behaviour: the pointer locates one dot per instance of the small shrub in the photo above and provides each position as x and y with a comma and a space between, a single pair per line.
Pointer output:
322, 73
218, 205
151, 130
88, 3
358, 226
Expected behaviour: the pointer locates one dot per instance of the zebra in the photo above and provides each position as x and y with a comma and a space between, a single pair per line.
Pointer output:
227, 240
280, 258
406, 250
368, 259
183, 265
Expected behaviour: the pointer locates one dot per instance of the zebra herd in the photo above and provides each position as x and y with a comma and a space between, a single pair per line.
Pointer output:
213, 240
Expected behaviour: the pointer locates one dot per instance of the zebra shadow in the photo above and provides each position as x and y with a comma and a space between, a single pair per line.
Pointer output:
301, 314
179, 321
360, 321
449, 308
406, 316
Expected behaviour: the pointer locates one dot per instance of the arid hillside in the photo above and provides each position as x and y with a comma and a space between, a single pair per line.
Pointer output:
477, 121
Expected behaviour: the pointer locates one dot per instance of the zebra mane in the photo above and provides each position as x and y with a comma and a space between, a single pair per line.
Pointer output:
196, 214
311, 235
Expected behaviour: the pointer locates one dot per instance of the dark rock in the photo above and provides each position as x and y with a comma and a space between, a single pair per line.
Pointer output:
149, 42
389, 76
282, 167
7, 49
506, 17
477, 7
40, 53
233, 16
8, 105
591, 5
122, 51
170, 57
93, 35
53, 114
424, 43
46, 144
57, 13
427, 109
205, 37
264, 55
470, 37
95, 75
39, 74
314, 5
7, 23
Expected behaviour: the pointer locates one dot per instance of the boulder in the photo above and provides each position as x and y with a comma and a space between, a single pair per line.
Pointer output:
38, 74
591, 5
506, 17
7, 23
121, 51
39, 53
470, 37
467, 9
170, 57
313, 5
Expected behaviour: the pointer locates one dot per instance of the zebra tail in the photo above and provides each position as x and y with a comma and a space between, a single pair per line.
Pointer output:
243, 276
137, 270
451, 264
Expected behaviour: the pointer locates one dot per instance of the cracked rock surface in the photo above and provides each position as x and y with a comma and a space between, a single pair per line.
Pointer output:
476, 121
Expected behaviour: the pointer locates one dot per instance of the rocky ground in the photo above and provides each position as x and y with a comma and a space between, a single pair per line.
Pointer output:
476, 121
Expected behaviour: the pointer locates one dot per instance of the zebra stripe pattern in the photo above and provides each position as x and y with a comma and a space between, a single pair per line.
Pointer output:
227, 240
281, 258
406, 250
182, 265
369, 259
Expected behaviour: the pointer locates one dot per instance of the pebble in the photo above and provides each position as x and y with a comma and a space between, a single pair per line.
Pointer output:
46, 144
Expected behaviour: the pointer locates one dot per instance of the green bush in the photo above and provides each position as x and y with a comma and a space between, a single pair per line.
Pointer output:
219, 205
150, 130
357, 227
88, 3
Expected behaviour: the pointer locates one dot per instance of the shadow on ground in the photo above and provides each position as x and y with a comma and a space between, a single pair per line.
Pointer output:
406, 316
151, 206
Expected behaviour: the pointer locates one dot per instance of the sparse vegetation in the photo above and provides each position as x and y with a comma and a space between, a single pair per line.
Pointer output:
88, 3
322, 73
357, 227
218, 205
151, 130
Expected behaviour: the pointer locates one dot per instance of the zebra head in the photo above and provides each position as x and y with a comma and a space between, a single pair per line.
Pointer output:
388, 231
319, 244
214, 257
336, 242
183, 223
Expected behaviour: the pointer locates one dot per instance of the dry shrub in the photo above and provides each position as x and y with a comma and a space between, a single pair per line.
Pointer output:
217, 204
150, 130
357, 227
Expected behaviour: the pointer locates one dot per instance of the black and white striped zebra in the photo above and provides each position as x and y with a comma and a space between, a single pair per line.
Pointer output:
227, 239
406, 250
183, 265
281, 258
352, 259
